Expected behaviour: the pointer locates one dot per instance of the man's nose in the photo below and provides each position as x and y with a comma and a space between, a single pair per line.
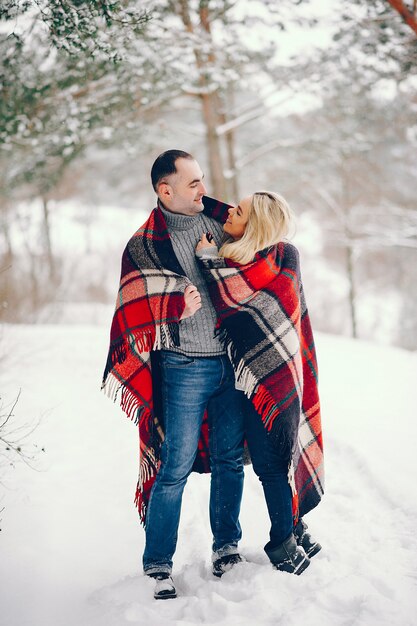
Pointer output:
203, 188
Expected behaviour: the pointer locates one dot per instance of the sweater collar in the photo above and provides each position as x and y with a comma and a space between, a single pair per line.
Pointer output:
178, 221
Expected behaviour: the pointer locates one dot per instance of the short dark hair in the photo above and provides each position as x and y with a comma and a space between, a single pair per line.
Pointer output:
165, 165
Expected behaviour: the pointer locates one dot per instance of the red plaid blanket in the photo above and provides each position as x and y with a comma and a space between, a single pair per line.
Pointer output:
149, 305
264, 322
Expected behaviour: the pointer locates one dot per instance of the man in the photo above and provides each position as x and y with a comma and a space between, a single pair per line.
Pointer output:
164, 330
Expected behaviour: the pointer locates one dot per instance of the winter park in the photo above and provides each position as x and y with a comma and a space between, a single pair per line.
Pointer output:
266, 273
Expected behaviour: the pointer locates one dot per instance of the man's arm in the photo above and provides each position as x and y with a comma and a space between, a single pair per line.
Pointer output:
192, 300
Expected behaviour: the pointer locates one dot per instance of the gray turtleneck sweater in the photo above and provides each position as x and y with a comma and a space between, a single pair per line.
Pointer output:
196, 332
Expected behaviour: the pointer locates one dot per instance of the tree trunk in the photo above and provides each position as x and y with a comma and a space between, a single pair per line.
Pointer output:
232, 180
346, 204
47, 239
352, 290
218, 181
209, 101
6, 235
211, 111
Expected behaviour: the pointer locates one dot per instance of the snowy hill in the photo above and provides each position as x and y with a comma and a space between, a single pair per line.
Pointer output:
71, 543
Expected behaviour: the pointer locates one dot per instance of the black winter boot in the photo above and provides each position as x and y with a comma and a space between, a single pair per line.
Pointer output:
164, 586
305, 540
225, 563
288, 557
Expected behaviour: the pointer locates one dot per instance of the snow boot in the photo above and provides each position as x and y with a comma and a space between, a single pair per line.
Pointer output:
288, 557
225, 563
305, 540
164, 587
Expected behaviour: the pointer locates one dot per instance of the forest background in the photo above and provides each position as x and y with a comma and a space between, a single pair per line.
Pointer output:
313, 100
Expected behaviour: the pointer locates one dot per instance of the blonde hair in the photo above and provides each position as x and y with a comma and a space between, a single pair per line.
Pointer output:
269, 222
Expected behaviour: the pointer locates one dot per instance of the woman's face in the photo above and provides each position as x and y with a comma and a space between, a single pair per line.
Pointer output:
238, 218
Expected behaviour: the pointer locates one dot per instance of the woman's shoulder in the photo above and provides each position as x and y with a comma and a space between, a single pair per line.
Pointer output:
285, 248
290, 248
289, 252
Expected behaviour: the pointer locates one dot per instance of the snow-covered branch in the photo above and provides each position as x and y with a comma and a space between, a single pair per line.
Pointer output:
254, 113
265, 149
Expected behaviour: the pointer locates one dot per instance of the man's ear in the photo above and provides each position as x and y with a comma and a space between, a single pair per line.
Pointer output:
164, 191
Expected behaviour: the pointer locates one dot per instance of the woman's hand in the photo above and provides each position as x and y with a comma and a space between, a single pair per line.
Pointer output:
206, 242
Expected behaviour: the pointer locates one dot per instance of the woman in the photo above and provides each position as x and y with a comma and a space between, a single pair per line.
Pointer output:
255, 285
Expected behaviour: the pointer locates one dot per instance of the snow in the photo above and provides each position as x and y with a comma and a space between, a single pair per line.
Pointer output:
71, 542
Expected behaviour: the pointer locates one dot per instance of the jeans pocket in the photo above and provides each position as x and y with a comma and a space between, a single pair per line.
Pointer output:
175, 359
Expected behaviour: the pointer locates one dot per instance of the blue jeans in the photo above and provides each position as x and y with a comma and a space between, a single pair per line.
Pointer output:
272, 470
189, 386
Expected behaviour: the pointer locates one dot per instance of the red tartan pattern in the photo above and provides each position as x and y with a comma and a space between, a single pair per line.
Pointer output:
263, 320
148, 308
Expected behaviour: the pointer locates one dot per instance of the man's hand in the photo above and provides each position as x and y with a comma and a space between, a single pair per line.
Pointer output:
192, 301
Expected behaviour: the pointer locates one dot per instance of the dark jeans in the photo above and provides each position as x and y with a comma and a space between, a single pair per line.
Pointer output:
272, 471
189, 385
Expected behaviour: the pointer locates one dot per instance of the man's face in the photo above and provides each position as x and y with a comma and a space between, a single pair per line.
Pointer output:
183, 191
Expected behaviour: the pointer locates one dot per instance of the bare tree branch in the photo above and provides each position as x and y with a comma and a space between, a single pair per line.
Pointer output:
10, 412
408, 16
14, 440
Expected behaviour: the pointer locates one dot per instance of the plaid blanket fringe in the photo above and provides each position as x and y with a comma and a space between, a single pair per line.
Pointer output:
146, 319
162, 336
264, 325
264, 404
259, 395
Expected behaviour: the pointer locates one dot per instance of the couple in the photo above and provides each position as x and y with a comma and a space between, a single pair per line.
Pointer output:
211, 350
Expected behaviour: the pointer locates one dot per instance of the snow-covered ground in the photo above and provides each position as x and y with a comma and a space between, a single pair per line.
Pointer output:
71, 544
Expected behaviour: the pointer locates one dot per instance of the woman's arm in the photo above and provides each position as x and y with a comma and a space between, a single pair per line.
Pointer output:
207, 252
